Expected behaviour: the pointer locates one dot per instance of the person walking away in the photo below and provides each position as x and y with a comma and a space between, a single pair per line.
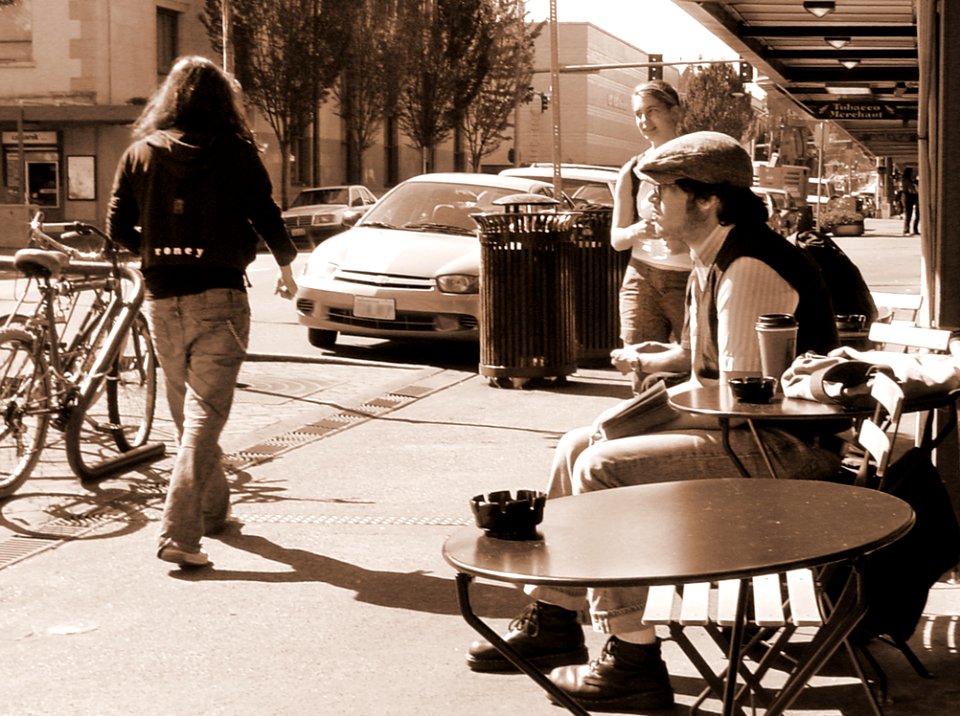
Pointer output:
652, 295
910, 195
741, 269
192, 198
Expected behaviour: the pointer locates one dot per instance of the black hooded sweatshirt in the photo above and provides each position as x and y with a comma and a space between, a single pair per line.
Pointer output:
193, 207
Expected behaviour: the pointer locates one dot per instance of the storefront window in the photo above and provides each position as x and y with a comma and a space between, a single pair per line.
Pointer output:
43, 183
16, 31
40, 165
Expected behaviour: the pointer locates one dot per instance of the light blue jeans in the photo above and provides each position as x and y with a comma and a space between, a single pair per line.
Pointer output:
201, 342
681, 450
652, 303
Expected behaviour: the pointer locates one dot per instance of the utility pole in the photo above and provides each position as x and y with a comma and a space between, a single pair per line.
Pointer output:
227, 36
555, 99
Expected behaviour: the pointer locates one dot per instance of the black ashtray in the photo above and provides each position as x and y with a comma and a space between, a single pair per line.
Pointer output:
503, 516
753, 389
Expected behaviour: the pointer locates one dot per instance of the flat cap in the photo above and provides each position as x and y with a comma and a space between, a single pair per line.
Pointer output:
706, 157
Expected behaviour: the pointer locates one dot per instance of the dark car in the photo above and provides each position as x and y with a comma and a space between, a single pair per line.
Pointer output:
318, 212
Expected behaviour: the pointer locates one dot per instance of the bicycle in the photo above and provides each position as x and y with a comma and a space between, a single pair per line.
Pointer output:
84, 340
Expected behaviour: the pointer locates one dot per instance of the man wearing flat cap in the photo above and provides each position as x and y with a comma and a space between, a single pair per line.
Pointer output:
741, 269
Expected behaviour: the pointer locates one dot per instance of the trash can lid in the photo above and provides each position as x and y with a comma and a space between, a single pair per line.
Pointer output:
526, 199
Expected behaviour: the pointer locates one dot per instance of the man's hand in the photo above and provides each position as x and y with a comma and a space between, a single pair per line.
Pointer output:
286, 285
628, 359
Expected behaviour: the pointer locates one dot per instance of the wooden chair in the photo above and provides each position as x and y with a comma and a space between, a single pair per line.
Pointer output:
919, 339
776, 615
876, 436
899, 306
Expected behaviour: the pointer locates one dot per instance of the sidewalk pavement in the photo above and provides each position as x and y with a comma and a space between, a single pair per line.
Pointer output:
333, 598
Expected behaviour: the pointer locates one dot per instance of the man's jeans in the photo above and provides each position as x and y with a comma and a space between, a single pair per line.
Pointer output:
201, 341
682, 450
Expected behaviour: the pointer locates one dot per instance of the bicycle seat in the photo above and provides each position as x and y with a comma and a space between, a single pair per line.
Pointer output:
37, 263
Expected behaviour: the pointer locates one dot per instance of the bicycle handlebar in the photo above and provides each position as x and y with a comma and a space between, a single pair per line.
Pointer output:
69, 229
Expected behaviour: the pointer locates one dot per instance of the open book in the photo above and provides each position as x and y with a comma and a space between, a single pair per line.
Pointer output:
636, 416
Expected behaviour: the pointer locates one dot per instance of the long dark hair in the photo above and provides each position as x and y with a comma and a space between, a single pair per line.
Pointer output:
738, 205
197, 96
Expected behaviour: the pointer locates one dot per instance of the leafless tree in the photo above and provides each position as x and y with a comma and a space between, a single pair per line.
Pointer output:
375, 68
449, 62
507, 83
288, 53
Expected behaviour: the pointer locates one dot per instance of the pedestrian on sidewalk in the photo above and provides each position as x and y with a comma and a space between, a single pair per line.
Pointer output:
741, 269
652, 293
192, 198
909, 196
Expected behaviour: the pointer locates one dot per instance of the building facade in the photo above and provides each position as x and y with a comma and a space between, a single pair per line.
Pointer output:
74, 75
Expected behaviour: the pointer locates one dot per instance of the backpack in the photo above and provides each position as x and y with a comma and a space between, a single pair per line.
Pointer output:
899, 576
848, 291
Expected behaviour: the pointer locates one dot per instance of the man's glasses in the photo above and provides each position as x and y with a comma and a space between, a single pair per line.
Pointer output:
658, 187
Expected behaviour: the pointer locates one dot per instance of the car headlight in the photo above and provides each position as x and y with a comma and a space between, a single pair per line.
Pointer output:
458, 283
319, 266
324, 219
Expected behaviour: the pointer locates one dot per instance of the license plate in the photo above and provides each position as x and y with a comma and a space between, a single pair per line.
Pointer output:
384, 309
298, 232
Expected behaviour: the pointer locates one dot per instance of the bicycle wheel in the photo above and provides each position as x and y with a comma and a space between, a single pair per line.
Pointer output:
24, 398
132, 388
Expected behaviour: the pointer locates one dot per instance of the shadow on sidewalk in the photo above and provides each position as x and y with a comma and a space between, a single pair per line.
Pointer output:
413, 591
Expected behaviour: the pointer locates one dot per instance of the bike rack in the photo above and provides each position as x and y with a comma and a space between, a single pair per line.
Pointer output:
131, 302
150, 452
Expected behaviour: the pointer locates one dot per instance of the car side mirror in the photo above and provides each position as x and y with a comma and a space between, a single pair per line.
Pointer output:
351, 217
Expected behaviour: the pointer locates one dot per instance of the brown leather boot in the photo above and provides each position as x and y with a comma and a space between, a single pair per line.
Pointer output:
625, 678
545, 634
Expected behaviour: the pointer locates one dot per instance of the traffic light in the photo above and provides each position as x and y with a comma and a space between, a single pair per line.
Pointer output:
544, 102
655, 73
746, 72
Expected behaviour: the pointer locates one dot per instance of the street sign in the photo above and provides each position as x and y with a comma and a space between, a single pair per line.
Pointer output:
854, 110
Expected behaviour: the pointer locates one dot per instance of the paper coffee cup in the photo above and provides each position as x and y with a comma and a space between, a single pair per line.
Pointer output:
777, 336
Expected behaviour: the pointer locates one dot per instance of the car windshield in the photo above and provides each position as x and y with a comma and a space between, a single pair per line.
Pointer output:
593, 194
332, 195
433, 206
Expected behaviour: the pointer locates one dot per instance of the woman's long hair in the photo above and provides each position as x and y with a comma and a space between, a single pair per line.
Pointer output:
196, 97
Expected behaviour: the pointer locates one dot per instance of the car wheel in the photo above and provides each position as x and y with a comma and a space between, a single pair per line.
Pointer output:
321, 339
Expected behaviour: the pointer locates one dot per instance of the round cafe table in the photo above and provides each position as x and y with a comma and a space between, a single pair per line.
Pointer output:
719, 401
688, 531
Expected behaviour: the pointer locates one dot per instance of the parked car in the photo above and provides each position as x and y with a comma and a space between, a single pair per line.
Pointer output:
319, 212
410, 268
586, 185
783, 213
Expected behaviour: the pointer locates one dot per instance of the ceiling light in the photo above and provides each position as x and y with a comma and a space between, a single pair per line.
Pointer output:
819, 8
850, 63
838, 90
837, 43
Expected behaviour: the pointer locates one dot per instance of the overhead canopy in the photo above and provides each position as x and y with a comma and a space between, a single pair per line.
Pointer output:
857, 65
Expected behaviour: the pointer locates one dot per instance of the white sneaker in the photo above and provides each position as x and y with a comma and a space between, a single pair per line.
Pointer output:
173, 553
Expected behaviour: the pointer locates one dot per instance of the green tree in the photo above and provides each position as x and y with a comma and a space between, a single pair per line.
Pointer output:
287, 55
376, 65
449, 61
715, 100
507, 83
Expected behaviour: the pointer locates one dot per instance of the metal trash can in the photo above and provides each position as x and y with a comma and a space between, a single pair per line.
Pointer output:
526, 292
598, 275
